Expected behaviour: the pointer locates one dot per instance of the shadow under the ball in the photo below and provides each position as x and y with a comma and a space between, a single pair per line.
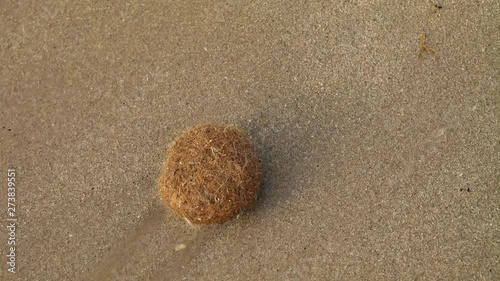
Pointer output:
279, 142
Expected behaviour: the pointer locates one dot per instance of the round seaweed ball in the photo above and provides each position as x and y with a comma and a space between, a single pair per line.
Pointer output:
211, 174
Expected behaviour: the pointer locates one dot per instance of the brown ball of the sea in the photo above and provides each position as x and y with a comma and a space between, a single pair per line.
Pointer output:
211, 174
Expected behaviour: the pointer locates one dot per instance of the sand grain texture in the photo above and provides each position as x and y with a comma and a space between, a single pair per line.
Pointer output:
376, 165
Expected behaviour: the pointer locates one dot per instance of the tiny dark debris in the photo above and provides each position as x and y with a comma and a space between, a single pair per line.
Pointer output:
438, 6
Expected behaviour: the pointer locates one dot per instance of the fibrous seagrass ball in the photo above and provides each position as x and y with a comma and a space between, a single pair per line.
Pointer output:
211, 174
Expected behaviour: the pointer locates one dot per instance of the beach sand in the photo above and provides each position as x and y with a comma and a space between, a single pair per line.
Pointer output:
378, 164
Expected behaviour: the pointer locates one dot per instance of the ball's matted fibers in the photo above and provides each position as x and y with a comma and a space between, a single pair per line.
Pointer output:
211, 173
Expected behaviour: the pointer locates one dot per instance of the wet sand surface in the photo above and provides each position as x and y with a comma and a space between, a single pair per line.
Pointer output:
377, 165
